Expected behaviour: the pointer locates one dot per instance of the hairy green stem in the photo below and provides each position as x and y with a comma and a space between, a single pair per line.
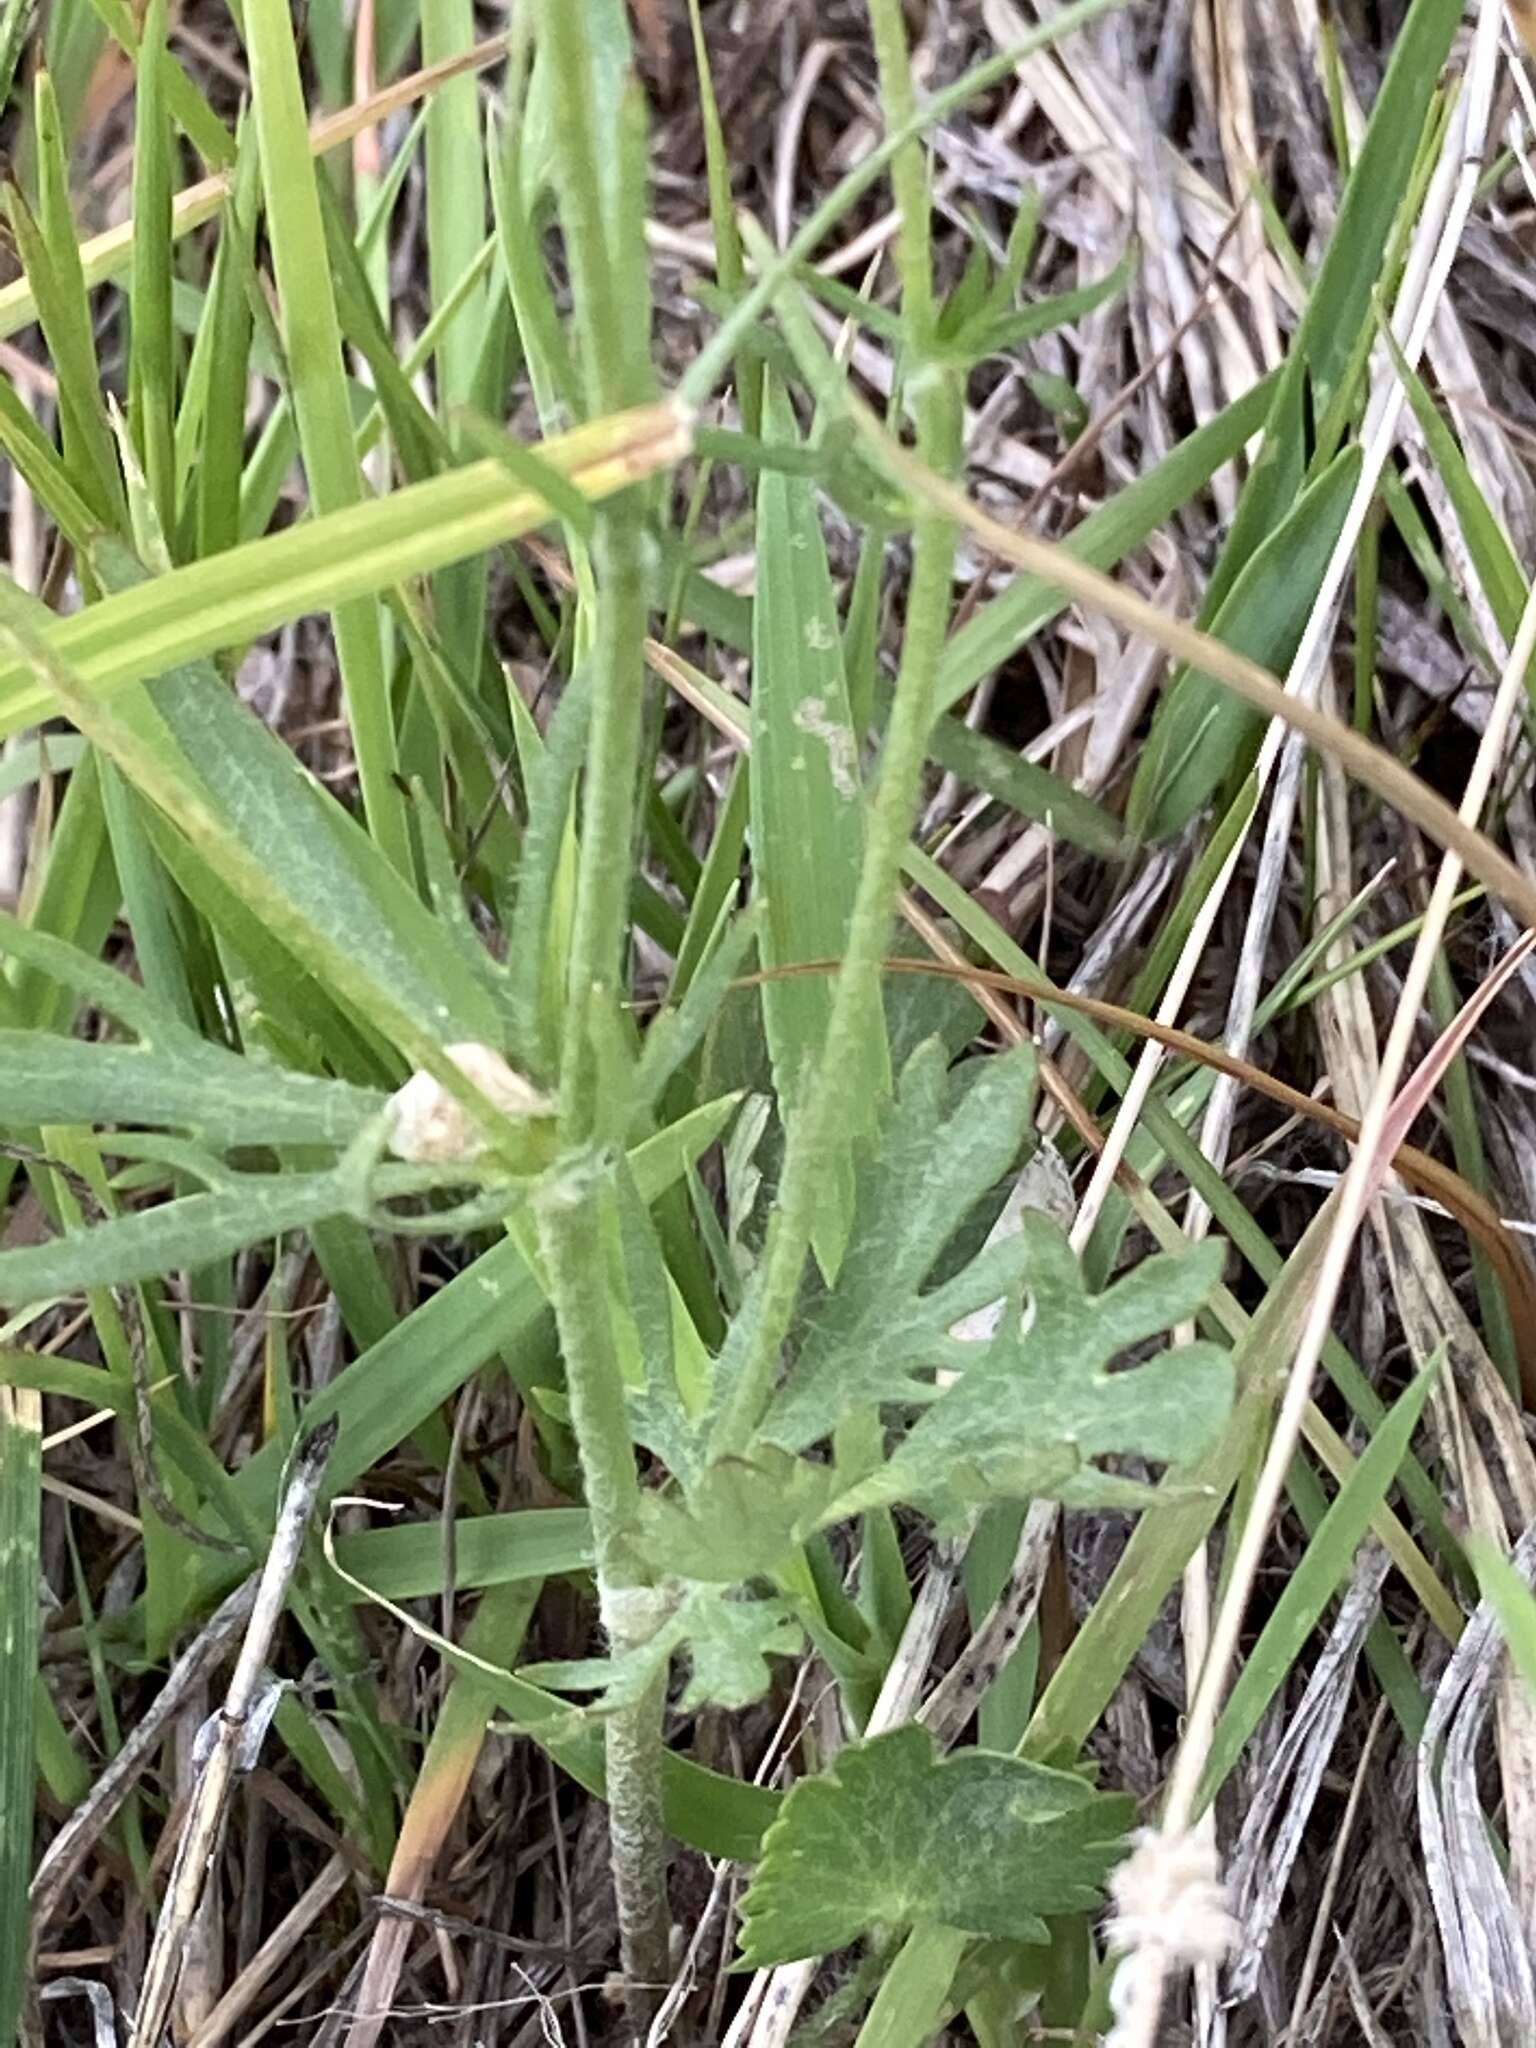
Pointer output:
573, 1205
571, 1238
608, 808
909, 173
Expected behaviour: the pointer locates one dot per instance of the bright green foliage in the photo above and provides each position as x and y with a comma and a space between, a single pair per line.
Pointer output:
20, 1504
948, 1140
738, 1519
1204, 738
807, 802
212, 1108
979, 319
189, 1085
1041, 1402
892, 1837
1323, 365
727, 1638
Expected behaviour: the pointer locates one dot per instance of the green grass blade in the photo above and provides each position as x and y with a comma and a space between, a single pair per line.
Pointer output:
913, 1997
36, 459
1202, 735
1497, 565
1034, 792
209, 606
152, 361
50, 256
1324, 1567
21, 1460
210, 451
807, 804
1002, 625
183, 99
730, 263
312, 334
1339, 304
16, 19
1513, 1602
407, 1562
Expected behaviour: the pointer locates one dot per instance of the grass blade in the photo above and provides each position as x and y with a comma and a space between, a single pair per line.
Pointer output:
807, 809
312, 335
21, 1460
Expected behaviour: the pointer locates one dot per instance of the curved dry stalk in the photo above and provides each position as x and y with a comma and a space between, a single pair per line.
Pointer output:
236, 1732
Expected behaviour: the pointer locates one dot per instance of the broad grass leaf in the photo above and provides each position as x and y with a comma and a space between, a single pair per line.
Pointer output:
948, 1140
892, 1837
1202, 735
1032, 1413
807, 807
536, 938
233, 597
322, 858
611, 56
408, 1562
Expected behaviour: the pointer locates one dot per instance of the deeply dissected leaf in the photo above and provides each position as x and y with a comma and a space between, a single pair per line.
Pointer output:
738, 1519
948, 1140
1042, 1402
728, 1640
729, 1643
891, 1836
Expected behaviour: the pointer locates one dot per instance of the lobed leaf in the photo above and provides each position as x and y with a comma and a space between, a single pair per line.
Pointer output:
893, 1837
948, 1140
738, 1519
728, 1639
1043, 1402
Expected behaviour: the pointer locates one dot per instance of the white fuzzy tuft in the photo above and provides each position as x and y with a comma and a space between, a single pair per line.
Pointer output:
1168, 1894
430, 1124
1170, 1911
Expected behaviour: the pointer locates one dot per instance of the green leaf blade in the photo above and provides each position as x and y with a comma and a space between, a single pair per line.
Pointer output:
892, 1837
